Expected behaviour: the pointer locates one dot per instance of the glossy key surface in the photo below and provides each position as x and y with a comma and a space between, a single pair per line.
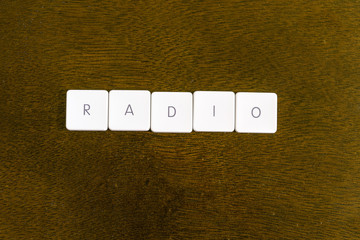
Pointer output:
256, 112
171, 112
129, 110
87, 110
214, 111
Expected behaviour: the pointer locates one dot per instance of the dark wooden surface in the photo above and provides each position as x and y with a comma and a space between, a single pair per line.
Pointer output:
301, 183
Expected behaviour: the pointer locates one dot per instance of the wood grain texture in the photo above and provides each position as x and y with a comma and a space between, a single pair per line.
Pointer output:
301, 183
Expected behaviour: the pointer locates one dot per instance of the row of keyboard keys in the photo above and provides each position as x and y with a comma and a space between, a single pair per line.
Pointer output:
203, 111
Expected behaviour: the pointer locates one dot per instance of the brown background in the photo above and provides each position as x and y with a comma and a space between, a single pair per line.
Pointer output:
301, 183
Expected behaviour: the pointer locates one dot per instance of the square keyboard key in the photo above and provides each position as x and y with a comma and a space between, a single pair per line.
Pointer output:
256, 112
129, 110
214, 111
171, 112
87, 110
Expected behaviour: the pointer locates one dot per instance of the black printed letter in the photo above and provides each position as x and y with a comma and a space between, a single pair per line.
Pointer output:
129, 110
174, 111
86, 108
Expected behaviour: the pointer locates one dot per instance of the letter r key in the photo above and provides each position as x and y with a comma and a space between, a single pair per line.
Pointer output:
87, 110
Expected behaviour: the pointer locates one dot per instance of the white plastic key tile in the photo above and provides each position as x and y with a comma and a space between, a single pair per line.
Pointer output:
171, 112
256, 112
214, 111
129, 110
87, 110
